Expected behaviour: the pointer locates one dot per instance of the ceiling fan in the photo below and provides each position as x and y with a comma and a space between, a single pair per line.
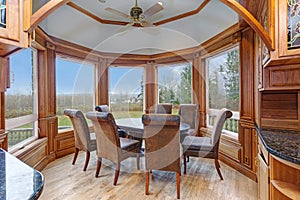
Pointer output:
137, 15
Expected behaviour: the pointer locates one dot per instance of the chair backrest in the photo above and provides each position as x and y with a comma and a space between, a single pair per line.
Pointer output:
81, 129
107, 138
222, 115
162, 142
102, 108
189, 114
163, 108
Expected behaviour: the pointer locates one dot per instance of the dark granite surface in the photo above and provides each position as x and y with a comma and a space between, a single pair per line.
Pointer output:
282, 143
18, 180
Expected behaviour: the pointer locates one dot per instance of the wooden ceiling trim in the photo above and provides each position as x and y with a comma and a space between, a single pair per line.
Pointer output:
187, 14
105, 21
253, 23
91, 15
44, 12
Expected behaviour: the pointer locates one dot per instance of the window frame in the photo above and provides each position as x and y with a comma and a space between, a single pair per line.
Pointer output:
80, 62
31, 118
170, 65
236, 115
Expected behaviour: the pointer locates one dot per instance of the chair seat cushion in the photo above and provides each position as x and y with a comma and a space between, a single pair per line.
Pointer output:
129, 144
197, 143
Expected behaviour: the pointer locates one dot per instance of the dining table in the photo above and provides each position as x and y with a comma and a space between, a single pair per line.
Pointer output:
135, 128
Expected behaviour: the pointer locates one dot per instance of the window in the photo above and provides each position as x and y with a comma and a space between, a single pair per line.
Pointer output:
75, 88
175, 84
126, 91
21, 99
223, 86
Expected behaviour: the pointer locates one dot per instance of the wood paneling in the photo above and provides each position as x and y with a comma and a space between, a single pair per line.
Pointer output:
247, 75
283, 77
33, 153
281, 105
64, 143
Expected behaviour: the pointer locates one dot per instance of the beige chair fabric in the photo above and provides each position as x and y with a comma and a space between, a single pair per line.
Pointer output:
109, 145
105, 108
207, 147
189, 113
84, 140
162, 145
163, 108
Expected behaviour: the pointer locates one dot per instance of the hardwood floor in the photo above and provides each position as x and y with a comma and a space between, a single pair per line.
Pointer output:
66, 181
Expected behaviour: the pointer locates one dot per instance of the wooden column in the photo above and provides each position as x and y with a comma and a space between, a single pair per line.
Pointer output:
199, 88
47, 98
247, 133
4, 83
151, 87
102, 84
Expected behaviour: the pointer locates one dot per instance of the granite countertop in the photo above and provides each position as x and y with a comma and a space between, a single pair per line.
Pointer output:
18, 180
282, 143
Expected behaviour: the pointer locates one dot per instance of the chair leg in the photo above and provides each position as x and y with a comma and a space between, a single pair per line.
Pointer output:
117, 173
75, 156
147, 182
178, 184
138, 161
217, 164
184, 163
188, 159
87, 159
98, 167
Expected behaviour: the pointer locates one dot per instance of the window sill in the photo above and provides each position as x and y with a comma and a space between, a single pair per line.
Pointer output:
25, 149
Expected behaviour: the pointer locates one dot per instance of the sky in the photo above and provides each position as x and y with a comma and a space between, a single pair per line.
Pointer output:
20, 73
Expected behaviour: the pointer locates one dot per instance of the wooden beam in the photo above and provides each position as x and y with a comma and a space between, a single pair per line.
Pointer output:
187, 14
250, 19
44, 12
91, 15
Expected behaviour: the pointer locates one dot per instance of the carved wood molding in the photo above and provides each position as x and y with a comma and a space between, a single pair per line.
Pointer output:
251, 20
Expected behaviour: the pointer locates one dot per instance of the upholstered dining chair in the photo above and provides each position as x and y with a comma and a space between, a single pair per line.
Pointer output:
109, 145
162, 145
189, 114
84, 140
105, 108
163, 108
207, 147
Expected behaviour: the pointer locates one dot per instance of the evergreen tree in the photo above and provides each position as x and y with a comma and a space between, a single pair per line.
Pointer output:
185, 86
231, 78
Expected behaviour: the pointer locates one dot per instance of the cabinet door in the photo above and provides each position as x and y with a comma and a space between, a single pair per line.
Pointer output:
263, 179
10, 20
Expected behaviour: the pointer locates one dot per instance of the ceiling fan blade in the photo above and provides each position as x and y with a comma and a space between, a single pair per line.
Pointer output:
117, 12
125, 28
153, 10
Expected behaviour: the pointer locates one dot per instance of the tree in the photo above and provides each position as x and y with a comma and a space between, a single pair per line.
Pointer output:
231, 78
185, 86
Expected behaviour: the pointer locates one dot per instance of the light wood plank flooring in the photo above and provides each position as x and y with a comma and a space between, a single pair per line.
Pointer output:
66, 181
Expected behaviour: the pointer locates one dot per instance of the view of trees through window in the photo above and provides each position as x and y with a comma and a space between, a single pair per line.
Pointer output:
223, 86
126, 91
75, 88
175, 84
21, 98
